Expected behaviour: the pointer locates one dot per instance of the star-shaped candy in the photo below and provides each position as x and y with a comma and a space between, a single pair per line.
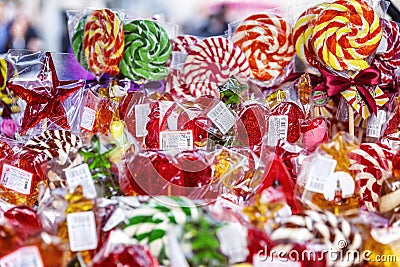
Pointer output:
45, 96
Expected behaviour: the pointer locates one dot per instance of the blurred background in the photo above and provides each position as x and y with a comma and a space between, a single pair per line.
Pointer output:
42, 24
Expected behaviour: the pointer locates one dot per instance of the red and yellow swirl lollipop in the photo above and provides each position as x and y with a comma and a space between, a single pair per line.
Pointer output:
302, 33
267, 42
103, 42
345, 33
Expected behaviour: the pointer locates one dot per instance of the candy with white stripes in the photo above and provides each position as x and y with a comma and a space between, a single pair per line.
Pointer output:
210, 63
267, 42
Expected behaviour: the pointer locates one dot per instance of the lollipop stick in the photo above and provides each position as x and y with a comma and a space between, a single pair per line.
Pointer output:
361, 134
351, 120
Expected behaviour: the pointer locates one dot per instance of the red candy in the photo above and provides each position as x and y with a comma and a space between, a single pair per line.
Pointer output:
126, 255
295, 117
24, 220
252, 125
314, 133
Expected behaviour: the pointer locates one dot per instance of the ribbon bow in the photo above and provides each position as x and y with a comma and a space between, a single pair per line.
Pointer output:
369, 77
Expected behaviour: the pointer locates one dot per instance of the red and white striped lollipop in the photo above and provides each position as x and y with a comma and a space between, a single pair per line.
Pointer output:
388, 61
183, 43
176, 85
210, 63
175, 82
369, 163
391, 57
267, 41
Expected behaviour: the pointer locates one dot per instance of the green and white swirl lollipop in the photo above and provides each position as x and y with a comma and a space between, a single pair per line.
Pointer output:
77, 42
147, 49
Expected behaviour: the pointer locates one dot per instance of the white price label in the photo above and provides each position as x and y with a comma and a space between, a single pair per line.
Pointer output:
176, 140
28, 256
222, 117
374, 124
142, 112
321, 168
277, 129
16, 179
88, 118
81, 175
82, 231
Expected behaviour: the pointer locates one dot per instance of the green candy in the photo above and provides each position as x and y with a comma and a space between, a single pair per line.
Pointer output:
151, 223
77, 42
147, 50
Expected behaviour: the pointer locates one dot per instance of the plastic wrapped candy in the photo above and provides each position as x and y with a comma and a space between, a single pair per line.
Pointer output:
267, 208
267, 41
97, 38
79, 227
371, 163
119, 249
98, 112
210, 63
150, 172
283, 122
277, 173
153, 172
220, 123
9, 106
387, 61
345, 66
326, 231
253, 130
10, 240
27, 171
339, 148
319, 187
19, 185
314, 132
51, 250
134, 110
147, 50
173, 126
24, 220
96, 156
46, 94
389, 195
238, 173
151, 223
199, 244
292, 156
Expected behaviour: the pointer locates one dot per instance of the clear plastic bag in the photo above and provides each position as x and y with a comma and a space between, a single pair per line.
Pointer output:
266, 40
51, 90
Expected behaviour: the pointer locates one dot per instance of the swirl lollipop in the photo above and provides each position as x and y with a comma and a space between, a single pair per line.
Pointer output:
389, 61
77, 42
302, 33
345, 33
391, 57
211, 63
147, 50
183, 43
267, 42
103, 42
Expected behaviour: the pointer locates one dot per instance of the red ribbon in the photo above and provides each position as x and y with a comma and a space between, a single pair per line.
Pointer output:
369, 77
